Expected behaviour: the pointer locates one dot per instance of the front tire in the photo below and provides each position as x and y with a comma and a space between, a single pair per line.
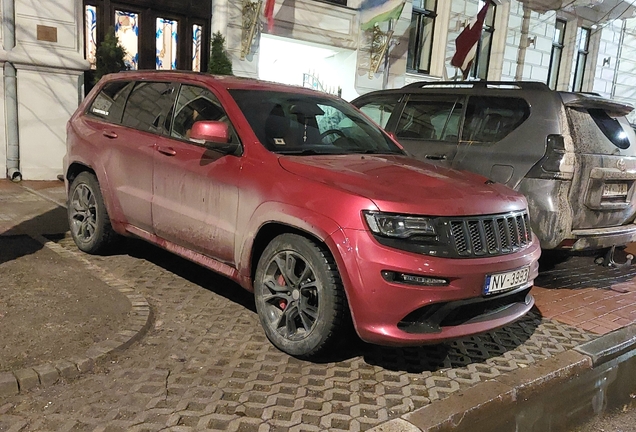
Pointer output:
299, 296
87, 216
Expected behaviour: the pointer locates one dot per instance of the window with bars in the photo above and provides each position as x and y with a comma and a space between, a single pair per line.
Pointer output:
583, 39
481, 63
556, 54
421, 36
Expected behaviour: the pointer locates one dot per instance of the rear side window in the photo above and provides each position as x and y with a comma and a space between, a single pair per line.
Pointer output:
491, 119
430, 120
380, 110
109, 103
148, 106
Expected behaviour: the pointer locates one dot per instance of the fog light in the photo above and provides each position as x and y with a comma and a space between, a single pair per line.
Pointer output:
410, 279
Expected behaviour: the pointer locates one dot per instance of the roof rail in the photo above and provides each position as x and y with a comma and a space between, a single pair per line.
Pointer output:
525, 85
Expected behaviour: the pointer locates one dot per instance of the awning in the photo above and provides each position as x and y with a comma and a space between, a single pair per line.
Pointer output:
596, 11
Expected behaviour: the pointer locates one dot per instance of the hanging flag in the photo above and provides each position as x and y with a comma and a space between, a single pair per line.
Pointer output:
269, 14
466, 42
373, 12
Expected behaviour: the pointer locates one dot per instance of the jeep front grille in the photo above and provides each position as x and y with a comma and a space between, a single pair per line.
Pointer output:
490, 235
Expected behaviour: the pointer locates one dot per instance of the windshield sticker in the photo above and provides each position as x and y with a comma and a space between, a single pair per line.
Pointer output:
279, 141
100, 111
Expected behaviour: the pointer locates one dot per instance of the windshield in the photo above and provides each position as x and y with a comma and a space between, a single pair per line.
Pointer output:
292, 123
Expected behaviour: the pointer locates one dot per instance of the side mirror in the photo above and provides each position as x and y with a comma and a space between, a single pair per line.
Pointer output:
214, 135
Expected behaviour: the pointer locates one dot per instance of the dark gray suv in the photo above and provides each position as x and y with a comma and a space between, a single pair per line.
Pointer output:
572, 155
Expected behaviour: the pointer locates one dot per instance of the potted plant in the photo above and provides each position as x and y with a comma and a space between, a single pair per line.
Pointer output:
220, 63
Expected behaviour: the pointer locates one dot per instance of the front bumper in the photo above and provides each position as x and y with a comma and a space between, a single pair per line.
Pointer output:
390, 313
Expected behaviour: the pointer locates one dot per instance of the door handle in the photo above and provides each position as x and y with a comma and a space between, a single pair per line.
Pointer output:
168, 151
109, 134
436, 157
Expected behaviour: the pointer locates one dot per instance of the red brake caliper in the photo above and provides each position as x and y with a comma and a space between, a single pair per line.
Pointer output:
281, 281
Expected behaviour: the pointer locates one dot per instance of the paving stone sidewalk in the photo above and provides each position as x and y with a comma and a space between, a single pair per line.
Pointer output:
206, 364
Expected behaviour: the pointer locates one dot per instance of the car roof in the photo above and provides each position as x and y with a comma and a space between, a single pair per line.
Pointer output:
225, 81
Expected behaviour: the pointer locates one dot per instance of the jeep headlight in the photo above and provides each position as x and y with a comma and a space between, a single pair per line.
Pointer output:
399, 226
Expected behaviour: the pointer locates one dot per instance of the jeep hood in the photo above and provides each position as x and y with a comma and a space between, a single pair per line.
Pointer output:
402, 185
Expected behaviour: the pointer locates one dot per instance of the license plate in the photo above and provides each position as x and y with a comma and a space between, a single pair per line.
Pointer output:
614, 189
506, 281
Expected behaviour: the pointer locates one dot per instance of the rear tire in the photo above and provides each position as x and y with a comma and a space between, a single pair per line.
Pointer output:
299, 296
87, 216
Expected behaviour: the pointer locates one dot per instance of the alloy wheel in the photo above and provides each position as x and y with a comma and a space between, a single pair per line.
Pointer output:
83, 212
291, 295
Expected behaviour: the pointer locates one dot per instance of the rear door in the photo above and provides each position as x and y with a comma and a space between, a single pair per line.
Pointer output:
428, 127
493, 140
603, 192
131, 168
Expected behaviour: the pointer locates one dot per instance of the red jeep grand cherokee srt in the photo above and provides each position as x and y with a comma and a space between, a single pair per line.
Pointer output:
301, 199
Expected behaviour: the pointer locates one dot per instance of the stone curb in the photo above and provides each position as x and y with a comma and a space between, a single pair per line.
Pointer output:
490, 397
45, 375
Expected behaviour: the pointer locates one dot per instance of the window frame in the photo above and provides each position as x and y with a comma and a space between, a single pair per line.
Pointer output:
420, 14
89, 113
232, 129
172, 84
462, 136
553, 75
581, 54
488, 29
454, 99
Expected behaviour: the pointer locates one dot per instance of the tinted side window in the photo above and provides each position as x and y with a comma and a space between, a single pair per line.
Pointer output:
431, 120
109, 103
148, 106
379, 110
490, 119
196, 104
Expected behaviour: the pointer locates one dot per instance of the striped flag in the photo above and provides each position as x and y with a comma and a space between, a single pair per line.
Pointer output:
466, 42
269, 14
373, 12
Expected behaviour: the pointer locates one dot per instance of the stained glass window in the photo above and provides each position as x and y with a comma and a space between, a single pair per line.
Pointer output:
90, 35
127, 31
166, 43
197, 31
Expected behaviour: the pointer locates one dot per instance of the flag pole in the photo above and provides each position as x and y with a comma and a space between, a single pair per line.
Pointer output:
385, 75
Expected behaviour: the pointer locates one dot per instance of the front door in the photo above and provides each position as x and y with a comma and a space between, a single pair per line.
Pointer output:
428, 127
195, 200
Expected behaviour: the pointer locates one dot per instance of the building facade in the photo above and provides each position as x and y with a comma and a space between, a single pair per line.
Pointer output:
330, 45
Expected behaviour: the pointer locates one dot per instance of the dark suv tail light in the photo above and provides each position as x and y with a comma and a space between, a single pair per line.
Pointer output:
551, 164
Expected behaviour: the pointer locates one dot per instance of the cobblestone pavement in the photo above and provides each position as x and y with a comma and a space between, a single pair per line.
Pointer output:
206, 364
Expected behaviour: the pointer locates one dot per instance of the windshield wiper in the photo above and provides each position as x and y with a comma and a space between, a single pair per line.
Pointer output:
375, 152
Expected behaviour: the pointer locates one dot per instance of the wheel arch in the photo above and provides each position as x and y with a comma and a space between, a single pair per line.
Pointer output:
75, 169
268, 232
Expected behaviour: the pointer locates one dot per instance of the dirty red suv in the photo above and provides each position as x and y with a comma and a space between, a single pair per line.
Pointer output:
301, 199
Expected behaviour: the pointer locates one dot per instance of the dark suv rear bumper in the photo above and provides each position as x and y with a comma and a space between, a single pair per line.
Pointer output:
599, 238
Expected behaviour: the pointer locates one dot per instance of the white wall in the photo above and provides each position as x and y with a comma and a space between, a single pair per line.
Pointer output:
47, 99
537, 59
48, 79
3, 139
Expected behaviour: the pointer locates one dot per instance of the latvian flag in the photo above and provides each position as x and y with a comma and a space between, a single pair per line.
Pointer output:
466, 42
